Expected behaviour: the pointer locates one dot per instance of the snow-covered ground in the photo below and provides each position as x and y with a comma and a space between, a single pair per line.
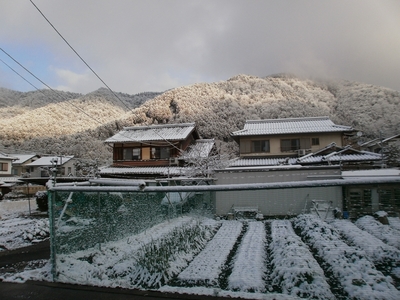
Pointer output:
295, 270
283, 259
17, 226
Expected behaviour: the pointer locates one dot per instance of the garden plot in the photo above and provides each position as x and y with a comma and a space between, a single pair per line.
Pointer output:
356, 274
295, 270
207, 266
147, 259
153, 259
20, 232
376, 250
385, 233
394, 223
249, 268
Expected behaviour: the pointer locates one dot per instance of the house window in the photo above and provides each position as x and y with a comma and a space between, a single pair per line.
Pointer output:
160, 152
62, 171
315, 141
3, 167
288, 145
131, 154
260, 146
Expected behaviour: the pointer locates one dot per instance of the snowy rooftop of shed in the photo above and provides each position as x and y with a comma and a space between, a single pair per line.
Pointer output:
7, 156
21, 158
200, 149
334, 157
171, 171
289, 126
371, 173
48, 161
153, 133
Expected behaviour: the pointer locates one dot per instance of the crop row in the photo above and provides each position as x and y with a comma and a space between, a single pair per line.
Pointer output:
313, 259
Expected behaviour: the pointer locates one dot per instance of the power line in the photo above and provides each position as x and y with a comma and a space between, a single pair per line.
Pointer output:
18, 73
47, 85
79, 55
84, 63
17, 62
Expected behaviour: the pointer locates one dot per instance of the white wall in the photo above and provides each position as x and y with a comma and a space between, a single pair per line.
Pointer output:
280, 202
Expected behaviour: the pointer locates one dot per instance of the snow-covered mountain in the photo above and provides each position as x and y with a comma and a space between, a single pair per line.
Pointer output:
78, 124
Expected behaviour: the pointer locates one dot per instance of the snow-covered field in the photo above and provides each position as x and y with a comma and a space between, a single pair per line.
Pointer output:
303, 257
17, 226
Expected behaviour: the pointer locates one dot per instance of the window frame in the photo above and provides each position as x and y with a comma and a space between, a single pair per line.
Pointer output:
294, 145
315, 141
262, 144
3, 167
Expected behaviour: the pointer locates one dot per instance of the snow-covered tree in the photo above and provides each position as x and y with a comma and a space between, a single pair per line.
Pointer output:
202, 159
392, 155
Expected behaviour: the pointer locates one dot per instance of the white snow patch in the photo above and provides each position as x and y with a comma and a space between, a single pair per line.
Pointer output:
249, 268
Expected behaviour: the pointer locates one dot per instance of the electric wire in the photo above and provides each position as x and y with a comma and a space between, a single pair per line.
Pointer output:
18, 74
79, 55
45, 84
48, 21
128, 137
89, 69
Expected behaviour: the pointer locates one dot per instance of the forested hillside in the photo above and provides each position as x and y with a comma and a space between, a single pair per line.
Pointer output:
79, 124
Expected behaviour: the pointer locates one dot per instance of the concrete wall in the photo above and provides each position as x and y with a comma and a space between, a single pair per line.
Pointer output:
282, 202
275, 174
279, 202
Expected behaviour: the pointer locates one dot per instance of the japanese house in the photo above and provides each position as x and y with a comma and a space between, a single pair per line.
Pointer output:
292, 137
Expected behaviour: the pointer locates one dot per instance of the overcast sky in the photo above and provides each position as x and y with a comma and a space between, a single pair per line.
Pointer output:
146, 45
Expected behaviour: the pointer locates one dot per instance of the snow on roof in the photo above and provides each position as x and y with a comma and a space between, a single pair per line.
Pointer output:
307, 159
370, 143
201, 148
21, 158
248, 162
9, 179
290, 125
391, 138
337, 157
172, 171
48, 161
373, 173
7, 156
153, 133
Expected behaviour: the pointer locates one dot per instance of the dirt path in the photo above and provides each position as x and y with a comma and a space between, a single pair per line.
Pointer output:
15, 259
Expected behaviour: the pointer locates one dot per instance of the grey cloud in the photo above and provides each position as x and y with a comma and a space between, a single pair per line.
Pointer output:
154, 45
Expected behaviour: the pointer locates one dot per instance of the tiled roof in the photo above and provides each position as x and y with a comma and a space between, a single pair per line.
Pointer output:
201, 148
174, 132
248, 162
391, 138
291, 125
7, 156
21, 158
307, 159
47, 161
341, 158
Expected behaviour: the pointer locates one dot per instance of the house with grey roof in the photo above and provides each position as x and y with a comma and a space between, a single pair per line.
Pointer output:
292, 137
155, 150
6, 178
19, 166
6, 163
42, 167
300, 141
